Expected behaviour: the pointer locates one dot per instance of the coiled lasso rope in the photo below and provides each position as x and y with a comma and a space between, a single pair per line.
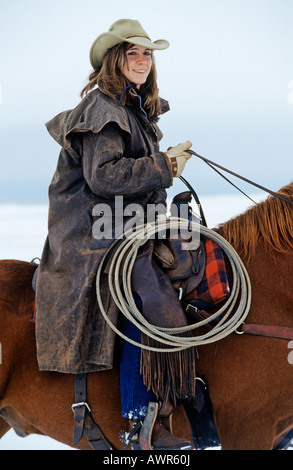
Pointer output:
125, 255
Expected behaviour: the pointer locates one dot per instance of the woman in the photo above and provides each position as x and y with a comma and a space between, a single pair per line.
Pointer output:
109, 148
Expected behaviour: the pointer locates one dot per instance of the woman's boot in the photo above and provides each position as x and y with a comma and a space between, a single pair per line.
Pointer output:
156, 434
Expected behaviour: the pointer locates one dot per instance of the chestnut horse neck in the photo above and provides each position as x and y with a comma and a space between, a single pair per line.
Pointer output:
272, 222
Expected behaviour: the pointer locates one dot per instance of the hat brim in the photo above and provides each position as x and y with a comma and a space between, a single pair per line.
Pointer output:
107, 40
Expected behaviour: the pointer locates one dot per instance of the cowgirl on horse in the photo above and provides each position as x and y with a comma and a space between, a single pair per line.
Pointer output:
110, 148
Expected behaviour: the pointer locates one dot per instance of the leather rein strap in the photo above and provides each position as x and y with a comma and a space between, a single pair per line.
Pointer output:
269, 331
212, 164
84, 423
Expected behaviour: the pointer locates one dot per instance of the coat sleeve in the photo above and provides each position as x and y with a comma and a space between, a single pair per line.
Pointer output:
109, 171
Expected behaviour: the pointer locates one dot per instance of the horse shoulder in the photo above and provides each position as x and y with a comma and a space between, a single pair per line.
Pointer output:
20, 425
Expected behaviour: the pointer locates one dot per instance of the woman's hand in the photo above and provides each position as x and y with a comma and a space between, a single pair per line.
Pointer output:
178, 157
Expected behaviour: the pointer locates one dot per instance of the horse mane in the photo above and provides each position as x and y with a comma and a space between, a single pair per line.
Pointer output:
270, 221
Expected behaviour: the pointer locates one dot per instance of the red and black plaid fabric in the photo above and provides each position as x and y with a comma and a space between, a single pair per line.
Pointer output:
215, 286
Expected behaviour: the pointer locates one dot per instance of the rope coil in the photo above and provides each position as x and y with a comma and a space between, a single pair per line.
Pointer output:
125, 254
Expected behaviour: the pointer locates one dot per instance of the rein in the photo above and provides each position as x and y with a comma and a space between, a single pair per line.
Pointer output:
212, 164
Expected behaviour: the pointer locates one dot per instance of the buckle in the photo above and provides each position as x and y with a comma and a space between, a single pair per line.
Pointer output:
81, 403
193, 307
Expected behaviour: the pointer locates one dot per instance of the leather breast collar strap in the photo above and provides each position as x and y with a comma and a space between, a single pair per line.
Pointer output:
269, 331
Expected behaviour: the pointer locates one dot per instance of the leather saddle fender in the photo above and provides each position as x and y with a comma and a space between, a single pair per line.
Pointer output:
160, 303
185, 266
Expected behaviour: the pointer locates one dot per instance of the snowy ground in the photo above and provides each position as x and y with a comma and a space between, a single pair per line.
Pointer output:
23, 229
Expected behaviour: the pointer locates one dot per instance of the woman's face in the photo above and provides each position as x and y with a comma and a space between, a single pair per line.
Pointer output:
138, 64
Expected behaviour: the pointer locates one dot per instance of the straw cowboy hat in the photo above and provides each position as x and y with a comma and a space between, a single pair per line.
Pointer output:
122, 30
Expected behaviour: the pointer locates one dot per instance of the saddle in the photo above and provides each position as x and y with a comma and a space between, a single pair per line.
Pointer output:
184, 267
198, 274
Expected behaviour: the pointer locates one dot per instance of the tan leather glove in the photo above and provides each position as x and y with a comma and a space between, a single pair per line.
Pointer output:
178, 157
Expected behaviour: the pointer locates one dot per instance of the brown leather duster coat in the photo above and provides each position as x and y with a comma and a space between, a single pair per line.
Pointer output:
107, 150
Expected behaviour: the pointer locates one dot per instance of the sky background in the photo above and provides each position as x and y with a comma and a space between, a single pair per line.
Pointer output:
228, 76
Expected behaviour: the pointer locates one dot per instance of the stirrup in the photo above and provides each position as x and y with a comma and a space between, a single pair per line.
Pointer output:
139, 437
147, 439
143, 440
145, 435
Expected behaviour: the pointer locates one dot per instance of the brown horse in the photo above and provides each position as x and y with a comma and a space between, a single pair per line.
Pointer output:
250, 378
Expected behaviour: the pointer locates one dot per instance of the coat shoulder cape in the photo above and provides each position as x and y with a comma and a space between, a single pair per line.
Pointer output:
92, 114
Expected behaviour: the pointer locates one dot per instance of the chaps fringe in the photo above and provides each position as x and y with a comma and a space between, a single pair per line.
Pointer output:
177, 369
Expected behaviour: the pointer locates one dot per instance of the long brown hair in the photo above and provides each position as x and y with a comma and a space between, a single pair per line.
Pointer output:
112, 82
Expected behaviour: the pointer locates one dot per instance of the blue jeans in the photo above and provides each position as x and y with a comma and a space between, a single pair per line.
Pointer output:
134, 394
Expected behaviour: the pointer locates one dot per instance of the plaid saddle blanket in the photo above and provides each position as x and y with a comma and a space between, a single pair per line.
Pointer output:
215, 285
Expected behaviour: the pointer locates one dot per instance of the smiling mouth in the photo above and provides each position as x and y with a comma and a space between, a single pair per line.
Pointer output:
140, 71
